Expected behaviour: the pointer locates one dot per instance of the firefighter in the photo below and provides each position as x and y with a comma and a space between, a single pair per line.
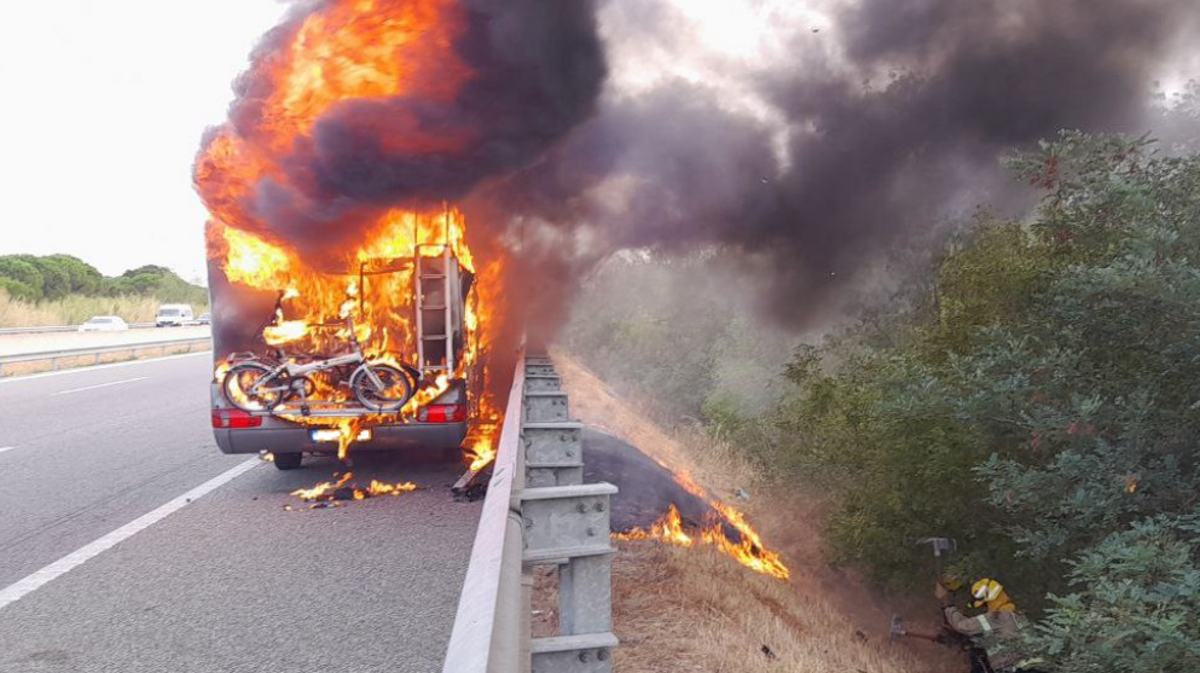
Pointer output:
999, 625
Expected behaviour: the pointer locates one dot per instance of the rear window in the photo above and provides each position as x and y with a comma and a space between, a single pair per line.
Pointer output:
168, 312
100, 321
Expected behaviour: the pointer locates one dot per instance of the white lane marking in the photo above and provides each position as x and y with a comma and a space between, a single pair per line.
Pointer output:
15, 592
100, 385
6, 448
82, 370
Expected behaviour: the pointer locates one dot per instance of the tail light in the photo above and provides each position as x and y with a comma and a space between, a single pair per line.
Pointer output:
234, 419
442, 413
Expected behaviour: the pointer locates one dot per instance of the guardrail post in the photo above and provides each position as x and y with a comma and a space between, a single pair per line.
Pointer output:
567, 524
553, 453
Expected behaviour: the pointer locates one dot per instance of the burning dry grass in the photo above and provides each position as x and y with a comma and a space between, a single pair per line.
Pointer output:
693, 609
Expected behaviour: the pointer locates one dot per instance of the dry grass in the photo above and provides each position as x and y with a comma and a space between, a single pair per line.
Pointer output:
695, 609
75, 309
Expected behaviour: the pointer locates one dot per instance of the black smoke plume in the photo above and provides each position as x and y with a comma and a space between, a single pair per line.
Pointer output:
901, 123
537, 69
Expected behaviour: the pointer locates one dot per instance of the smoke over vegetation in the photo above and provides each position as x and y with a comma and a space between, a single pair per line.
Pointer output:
893, 116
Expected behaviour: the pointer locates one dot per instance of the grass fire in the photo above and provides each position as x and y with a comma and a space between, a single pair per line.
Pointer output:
749, 551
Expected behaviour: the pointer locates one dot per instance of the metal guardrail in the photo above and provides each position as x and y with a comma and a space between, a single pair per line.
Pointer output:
537, 512
488, 630
64, 328
96, 352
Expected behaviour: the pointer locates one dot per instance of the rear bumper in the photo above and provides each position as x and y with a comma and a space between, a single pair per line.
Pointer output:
298, 439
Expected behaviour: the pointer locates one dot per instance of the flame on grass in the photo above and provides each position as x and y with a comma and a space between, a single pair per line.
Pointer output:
669, 528
749, 551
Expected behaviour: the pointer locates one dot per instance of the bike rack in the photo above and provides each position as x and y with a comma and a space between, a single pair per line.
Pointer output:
315, 411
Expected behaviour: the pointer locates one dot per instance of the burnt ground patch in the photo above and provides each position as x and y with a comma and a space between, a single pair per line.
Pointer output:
647, 489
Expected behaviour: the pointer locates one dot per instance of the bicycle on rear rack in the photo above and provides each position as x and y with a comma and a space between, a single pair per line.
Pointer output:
259, 385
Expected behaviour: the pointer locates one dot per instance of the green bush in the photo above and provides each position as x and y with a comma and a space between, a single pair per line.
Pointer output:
1044, 412
23, 279
1137, 594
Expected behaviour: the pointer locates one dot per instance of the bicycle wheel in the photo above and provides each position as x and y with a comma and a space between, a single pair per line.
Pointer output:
252, 386
381, 387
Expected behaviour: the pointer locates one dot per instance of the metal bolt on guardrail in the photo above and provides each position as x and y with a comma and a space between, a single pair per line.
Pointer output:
538, 512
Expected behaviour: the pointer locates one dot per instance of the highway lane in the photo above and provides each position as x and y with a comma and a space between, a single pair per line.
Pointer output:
87, 462
232, 581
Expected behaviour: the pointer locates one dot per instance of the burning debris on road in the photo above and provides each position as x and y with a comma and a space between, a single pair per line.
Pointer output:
343, 489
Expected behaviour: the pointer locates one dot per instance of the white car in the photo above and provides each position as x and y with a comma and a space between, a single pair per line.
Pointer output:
104, 323
173, 315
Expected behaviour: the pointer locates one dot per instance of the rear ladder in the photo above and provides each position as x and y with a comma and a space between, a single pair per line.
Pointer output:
435, 312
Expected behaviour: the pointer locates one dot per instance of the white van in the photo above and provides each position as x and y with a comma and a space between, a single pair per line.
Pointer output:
173, 315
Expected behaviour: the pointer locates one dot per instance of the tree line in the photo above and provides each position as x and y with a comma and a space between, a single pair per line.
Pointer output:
35, 279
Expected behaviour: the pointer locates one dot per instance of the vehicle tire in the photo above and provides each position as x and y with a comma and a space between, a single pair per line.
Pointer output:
397, 387
288, 461
243, 376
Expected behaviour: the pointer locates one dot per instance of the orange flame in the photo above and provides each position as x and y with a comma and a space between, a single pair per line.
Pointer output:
385, 305
749, 552
323, 489
329, 490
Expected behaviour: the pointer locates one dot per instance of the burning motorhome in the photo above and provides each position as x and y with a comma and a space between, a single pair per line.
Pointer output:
377, 349
347, 307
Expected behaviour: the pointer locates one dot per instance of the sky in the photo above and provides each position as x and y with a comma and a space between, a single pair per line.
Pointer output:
104, 103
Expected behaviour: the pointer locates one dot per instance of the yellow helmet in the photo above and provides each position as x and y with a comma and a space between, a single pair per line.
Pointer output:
985, 590
989, 591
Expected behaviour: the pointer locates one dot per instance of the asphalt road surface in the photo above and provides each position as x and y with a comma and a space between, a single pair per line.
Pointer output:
129, 543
